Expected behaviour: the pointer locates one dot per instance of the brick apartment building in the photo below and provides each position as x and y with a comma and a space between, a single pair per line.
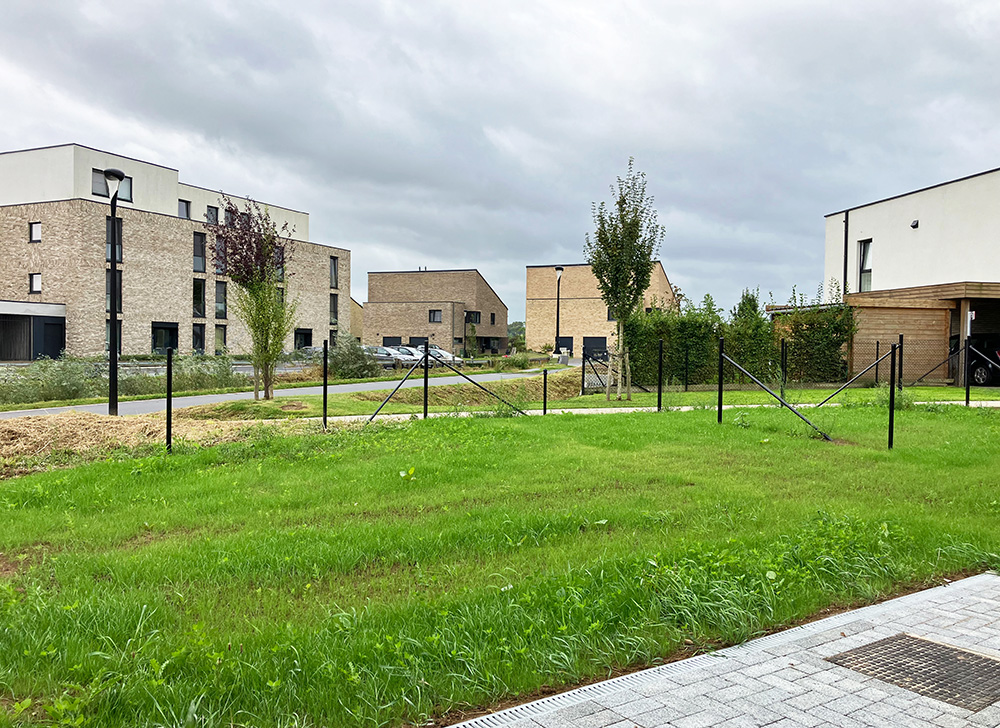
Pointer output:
55, 273
584, 320
455, 309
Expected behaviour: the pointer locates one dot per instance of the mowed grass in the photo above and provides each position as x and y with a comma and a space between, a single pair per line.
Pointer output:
386, 575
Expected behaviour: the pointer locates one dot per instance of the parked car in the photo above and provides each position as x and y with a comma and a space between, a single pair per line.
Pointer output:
984, 359
382, 356
444, 355
417, 354
405, 358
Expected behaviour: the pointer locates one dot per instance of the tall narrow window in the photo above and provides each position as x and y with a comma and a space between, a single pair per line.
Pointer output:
212, 215
434, 316
107, 289
184, 209
334, 307
34, 232
610, 315
220, 339
109, 240
198, 338
107, 335
865, 258
220, 257
34, 283
199, 298
199, 252
493, 319
334, 271
221, 305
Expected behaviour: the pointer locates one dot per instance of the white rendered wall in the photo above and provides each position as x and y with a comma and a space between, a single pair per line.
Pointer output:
957, 239
36, 175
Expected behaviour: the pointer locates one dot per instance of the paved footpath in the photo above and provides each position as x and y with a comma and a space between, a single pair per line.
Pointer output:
785, 681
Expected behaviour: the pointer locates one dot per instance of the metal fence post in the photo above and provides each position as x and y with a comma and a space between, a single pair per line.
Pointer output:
899, 376
968, 369
892, 393
659, 380
876, 361
427, 364
545, 391
583, 372
326, 370
170, 399
722, 350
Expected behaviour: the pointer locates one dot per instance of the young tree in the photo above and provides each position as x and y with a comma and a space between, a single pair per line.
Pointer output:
254, 252
621, 252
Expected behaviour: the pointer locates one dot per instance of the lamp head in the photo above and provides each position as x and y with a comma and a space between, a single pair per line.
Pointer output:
559, 270
114, 178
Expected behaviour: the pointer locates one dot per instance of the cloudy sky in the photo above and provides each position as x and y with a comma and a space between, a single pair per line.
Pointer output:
466, 133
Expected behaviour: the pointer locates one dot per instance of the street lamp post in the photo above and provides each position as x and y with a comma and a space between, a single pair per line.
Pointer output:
559, 272
114, 178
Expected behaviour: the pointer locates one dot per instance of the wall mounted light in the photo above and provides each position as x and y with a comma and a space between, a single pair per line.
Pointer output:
915, 224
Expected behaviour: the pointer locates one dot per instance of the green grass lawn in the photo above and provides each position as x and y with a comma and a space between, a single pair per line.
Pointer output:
383, 575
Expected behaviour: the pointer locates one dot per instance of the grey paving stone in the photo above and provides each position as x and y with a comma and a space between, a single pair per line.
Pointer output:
637, 707
658, 717
619, 697
704, 719
576, 711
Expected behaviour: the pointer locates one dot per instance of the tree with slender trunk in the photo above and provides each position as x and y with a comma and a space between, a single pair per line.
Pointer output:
621, 251
254, 252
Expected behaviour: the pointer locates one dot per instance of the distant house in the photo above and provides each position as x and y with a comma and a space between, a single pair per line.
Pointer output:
455, 309
925, 264
584, 319
357, 319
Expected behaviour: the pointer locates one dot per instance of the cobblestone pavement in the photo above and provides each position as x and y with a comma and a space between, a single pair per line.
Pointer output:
784, 680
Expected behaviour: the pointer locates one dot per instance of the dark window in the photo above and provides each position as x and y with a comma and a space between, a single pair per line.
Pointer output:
493, 319
107, 335
107, 289
229, 216
34, 283
333, 338
199, 298
303, 338
212, 215
221, 304
220, 257
34, 232
281, 297
164, 337
473, 317
198, 338
434, 316
865, 257
610, 316
199, 252
184, 209
334, 308
334, 272
220, 339
108, 240
99, 186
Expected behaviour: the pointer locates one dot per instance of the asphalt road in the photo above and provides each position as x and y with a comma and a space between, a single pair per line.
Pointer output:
150, 406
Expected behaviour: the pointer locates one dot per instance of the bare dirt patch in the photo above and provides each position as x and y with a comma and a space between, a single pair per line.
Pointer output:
295, 406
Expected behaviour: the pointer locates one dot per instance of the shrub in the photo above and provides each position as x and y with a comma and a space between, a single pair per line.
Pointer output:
347, 360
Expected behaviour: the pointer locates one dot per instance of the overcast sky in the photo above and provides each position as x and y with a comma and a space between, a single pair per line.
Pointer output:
477, 134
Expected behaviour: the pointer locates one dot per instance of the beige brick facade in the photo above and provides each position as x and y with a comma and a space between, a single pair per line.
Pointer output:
157, 276
357, 319
582, 311
399, 306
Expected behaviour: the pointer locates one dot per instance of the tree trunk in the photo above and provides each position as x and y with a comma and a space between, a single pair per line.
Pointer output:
628, 378
256, 382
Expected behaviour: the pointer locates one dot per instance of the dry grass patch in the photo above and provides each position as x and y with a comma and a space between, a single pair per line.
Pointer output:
562, 385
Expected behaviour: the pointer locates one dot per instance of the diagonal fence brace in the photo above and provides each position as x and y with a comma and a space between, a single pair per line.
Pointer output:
401, 382
783, 402
861, 374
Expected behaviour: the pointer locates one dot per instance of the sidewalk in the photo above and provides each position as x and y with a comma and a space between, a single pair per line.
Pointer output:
786, 680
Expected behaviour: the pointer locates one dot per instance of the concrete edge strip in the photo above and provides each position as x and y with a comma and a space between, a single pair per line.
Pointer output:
644, 677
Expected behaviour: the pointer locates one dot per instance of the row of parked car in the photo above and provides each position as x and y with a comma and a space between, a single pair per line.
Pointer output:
406, 356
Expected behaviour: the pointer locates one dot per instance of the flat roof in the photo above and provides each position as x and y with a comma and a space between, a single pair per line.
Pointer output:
444, 270
913, 192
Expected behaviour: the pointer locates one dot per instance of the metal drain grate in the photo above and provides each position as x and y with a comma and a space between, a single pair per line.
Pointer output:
942, 672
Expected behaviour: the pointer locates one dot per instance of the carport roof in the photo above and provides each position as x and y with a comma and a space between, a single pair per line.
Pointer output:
30, 308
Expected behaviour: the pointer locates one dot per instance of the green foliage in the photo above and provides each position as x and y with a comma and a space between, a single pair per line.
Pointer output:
348, 360
750, 338
515, 336
508, 363
818, 335
694, 329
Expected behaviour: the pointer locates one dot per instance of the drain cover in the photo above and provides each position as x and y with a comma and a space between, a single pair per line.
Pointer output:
938, 671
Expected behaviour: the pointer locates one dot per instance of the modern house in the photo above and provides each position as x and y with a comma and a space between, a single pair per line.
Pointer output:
455, 309
357, 319
584, 321
925, 264
55, 284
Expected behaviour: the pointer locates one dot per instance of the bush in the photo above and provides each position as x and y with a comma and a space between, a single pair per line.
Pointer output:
347, 360
511, 362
